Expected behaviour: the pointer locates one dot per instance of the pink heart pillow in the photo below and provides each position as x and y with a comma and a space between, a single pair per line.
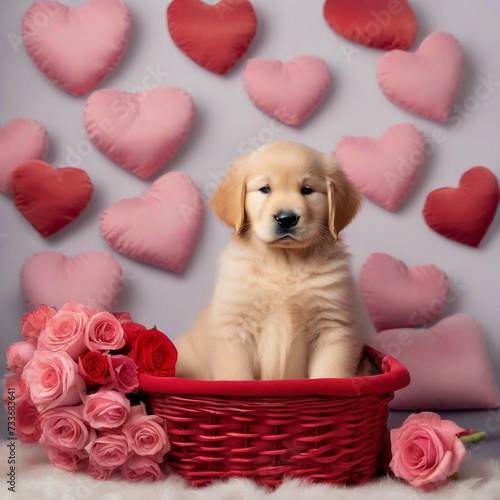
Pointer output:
289, 91
21, 140
425, 82
448, 364
397, 297
384, 170
77, 47
140, 132
91, 278
162, 227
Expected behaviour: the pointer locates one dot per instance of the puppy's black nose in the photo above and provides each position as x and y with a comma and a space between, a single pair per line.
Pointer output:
286, 219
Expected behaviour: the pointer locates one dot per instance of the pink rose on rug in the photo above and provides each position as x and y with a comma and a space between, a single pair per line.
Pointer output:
34, 322
18, 355
100, 473
140, 468
65, 332
124, 374
426, 450
28, 428
67, 460
146, 433
109, 449
64, 428
104, 333
53, 380
106, 409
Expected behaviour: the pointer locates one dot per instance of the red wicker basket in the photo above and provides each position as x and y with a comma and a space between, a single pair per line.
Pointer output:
328, 430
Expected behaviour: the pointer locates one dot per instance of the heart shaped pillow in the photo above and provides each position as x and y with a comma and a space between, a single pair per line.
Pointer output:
21, 140
140, 132
50, 198
384, 24
214, 36
76, 47
397, 297
464, 214
91, 278
448, 364
425, 82
289, 91
384, 170
162, 227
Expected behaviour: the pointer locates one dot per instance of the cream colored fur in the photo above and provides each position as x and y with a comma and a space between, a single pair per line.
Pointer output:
283, 306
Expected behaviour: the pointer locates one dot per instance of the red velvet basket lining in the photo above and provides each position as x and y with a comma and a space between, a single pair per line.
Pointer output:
328, 430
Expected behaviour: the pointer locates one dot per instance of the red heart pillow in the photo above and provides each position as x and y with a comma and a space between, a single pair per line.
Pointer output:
464, 214
384, 24
213, 36
50, 198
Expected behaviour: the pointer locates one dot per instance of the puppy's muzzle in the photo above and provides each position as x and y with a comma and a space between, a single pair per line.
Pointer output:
286, 220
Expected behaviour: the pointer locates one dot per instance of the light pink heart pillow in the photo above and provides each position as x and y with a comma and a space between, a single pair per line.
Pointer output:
425, 82
448, 364
140, 132
162, 227
288, 91
77, 47
21, 140
91, 278
384, 170
397, 297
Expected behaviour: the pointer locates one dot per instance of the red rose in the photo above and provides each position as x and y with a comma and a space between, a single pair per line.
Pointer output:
94, 368
154, 354
132, 331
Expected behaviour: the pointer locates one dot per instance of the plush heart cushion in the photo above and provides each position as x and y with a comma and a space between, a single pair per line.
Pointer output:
425, 82
397, 297
162, 227
384, 170
140, 132
50, 198
214, 36
289, 91
91, 278
76, 47
384, 24
21, 140
448, 364
464, 214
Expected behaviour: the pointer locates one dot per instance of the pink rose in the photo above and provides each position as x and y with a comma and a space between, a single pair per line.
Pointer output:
123, 317
146, 434
141, 469
426, 450
72, 306
64, 428
104, 333
108, 449
100, 473
15, 388
18, 354
67, 460
124, 374
65, 332
34, 322
28, 427
52, 379
106, 409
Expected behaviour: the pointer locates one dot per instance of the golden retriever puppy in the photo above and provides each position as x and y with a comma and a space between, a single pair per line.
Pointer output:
283, 305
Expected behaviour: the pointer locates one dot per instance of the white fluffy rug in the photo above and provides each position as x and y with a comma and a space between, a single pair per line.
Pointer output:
36, 479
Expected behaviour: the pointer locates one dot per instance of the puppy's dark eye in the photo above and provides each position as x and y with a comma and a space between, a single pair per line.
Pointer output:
306, 190
265, 189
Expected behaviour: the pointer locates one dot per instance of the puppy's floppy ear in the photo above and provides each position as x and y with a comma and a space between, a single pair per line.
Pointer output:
228, 200
344, 199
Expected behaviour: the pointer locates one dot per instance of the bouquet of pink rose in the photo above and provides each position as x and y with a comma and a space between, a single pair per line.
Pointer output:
74, 390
